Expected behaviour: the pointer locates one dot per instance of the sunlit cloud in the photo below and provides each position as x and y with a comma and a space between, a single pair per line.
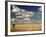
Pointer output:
16, 9
19, 16
33, 13
27, 14
22, 10
13, 19
26, 18
13, 6
39, 10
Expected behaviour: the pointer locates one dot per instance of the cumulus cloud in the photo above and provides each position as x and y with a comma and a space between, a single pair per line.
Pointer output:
32, 12
22, 10
37, 16
13, 6
13, 19
16, 9
40, 8
28, 13
26, 18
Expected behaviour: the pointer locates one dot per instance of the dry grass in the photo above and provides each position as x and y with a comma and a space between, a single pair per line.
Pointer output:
26, 27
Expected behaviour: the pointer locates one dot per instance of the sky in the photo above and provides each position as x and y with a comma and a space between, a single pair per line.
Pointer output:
36, 11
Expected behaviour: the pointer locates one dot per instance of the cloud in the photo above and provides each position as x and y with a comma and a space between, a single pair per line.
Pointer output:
31, 13
26, 18
13, 6
16, 9
13, 19
22, 10
40, 9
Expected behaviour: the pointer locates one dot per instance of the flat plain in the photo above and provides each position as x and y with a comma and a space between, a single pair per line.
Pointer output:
21, 27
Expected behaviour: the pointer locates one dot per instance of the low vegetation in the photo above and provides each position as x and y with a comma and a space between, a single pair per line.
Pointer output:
26, 27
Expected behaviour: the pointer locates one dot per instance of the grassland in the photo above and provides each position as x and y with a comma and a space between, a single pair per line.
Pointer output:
26, 27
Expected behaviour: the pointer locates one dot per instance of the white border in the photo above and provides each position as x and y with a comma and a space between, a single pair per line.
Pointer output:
29, 4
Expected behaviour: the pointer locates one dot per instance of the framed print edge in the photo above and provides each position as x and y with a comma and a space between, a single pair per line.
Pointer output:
6, 19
